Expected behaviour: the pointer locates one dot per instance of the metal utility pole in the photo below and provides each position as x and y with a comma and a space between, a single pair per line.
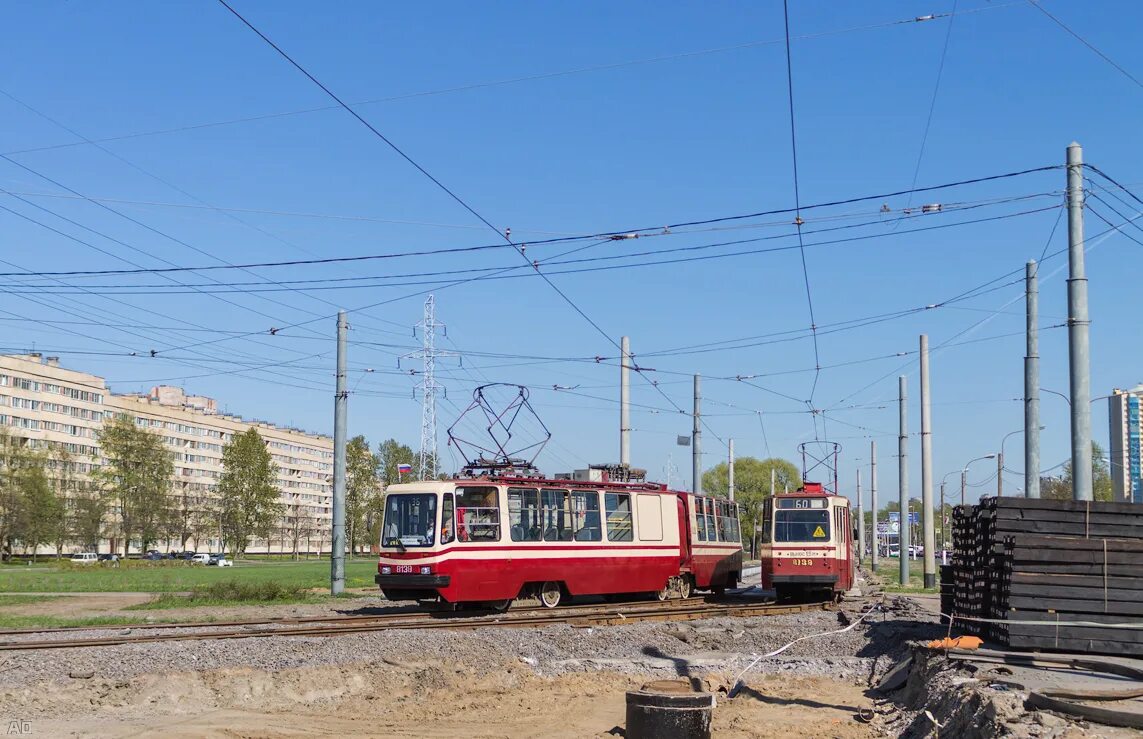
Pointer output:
730, 471
625, 402
1000, 473
903, 480
427, 459
873, 501
1079, 326
929, 532
696, 440
860, 522
1032, 385
773, 479
340, 406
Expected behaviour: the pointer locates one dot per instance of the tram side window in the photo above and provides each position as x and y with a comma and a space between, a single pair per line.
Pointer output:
477, 513
555, 521
727, 520
700, 520
767, 520
585, 516
711, 529
618, 509
524, 514
448, 527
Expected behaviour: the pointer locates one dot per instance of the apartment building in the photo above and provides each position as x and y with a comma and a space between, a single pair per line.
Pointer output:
53, 406
1126, 455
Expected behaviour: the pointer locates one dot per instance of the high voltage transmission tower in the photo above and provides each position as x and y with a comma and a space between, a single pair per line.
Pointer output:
427, 466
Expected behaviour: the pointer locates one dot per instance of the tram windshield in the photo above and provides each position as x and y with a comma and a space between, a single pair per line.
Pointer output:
410, 520
801, 525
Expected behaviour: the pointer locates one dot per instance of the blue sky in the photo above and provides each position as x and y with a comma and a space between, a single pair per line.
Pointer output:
562, 121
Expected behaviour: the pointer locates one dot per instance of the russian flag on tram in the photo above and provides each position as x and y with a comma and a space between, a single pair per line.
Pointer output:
403, 468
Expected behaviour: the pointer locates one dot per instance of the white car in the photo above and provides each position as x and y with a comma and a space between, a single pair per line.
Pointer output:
200, 559
84, 558
219, 561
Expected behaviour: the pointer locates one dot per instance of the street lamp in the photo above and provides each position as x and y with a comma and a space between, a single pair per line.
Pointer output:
1000, 461
964, 473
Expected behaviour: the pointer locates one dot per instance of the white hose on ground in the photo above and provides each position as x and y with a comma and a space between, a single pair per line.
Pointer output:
738, 680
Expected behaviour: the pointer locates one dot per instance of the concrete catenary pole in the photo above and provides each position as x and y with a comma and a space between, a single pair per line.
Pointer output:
860, 521
903, 480
730, 470
340, 407
773, 480
928, 534
696, 440
625, 402
1079, 326
873, 500
1032, 385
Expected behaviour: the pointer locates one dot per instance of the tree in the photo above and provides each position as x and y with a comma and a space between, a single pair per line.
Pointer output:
87, 513
247, 491
137, 477
13, 455
751, 484
361, 485
390, 454
1061, 488
42, 511
297, 525
188, 519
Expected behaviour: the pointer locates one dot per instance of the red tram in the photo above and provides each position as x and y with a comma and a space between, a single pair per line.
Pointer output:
493, 539
807, 543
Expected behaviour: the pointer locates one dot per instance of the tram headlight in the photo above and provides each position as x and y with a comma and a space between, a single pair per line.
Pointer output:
426, 570
386, 570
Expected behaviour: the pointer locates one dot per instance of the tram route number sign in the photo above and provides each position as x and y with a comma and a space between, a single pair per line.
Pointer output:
801, 503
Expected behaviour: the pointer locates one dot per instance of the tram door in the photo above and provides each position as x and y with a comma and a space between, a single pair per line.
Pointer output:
684, 531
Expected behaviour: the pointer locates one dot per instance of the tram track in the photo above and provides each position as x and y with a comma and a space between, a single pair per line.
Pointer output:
319, 626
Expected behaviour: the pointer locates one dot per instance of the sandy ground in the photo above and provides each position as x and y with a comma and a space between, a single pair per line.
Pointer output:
422, 700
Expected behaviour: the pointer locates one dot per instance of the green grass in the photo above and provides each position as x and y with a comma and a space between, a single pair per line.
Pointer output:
228, 593
52, 622
179, 577
23, 600
889, 570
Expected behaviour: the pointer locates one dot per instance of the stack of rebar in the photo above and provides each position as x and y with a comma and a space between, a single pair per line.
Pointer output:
1050, 574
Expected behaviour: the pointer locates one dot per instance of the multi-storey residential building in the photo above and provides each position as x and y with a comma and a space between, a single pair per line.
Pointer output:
56, 407
1126, 425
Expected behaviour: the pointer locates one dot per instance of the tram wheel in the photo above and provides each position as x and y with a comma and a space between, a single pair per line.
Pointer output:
665, 593
551, 594
686, 588
500, 606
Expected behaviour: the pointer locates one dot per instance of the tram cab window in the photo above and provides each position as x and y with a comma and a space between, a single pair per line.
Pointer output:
524, 514
555, 520
410, 520
448, 525
585, 515
767, 520
802, 525
477, 513
618, 509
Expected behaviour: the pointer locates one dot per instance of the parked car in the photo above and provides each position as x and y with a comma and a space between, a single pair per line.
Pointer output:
109, 557
152, 556
84, 558
220, 560
188, 555
200, 559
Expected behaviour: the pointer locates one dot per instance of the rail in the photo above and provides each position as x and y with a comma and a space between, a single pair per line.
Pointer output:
335, 626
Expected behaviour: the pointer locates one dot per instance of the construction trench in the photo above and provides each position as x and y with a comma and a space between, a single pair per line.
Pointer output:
859, 670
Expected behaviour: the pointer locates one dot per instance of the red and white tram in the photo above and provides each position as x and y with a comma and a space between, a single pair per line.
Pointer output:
807, 543
493, 539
